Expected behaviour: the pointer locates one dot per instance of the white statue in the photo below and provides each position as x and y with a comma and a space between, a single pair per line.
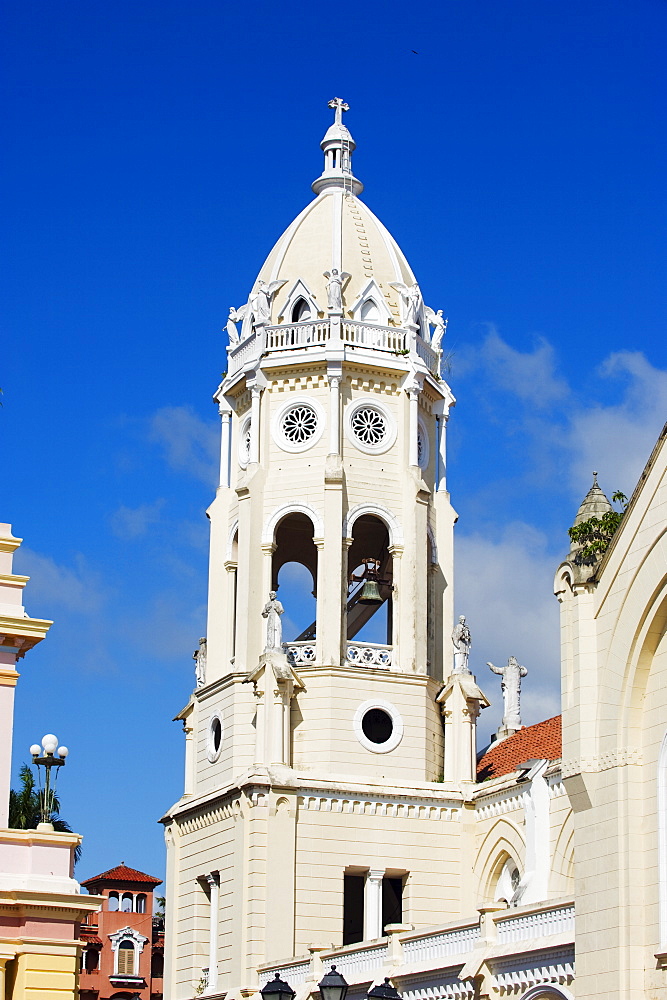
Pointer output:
511, 688
462, 642
273, 609
411, 298
260, 300
439, 324
199, 656
335, 288
235, 316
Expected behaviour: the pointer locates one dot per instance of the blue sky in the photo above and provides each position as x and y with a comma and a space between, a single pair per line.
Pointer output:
156, 152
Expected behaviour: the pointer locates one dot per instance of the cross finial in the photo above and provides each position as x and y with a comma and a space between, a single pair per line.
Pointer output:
339, 105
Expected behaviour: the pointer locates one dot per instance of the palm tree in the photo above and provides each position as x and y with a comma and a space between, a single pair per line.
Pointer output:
25, 808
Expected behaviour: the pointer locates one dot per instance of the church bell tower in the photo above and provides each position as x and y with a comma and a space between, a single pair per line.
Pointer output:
312, 757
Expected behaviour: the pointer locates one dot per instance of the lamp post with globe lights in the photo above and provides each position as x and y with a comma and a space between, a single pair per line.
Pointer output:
48, 757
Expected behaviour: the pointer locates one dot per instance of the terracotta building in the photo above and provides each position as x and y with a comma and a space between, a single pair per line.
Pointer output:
123, 942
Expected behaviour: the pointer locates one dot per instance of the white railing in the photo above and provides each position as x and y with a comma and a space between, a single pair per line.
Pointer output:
383, 338
430, 357
559, 920
355, 965
437, 946
295, 974
243, 352
299, 653
291, 335
368, 654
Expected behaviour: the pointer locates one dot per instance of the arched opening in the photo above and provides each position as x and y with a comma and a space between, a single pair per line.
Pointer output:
126, 902
91, 960
126, 958
370, 577
294, 570
301, 311
370, 312
113, 901
232, 568
141, 903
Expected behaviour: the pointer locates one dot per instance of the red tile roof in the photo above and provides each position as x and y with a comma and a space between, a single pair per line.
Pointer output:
538, 742
90, 938
121, 873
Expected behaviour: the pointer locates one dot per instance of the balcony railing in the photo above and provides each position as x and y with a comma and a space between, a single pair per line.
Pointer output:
368, 654
354, 333
300, 653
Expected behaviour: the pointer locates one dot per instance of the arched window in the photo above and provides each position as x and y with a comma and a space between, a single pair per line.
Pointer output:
125, 958
113, 901
509, 881
301, 311
141, 903
370, 312
126, 902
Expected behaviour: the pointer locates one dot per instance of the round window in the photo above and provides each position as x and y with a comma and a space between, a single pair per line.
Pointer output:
377, 726
214, 738
423, 451
299, 424
369, 426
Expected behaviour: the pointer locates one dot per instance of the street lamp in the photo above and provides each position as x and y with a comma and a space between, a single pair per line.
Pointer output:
384, 992
276, 989
333, 986
47, 756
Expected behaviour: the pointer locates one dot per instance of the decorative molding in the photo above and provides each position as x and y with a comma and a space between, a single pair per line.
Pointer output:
292, 508
394, 715
512, 976
212, 753
501, 802
366, 805
277, 430
389, 519
370, 403
602, 762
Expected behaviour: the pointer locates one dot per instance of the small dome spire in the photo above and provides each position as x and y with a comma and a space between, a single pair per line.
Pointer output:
594, 504
338, 146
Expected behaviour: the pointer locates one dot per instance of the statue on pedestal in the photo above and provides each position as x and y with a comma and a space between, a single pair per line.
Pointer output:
199, 656
273, 609
462, 642
511, 688
260, 300
335, 288
411, 298
439, 324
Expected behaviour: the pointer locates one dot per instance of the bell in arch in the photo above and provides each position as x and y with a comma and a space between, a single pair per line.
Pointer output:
370, 593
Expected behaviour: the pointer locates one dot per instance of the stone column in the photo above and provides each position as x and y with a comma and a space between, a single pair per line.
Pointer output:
225, 431
214, 888
253, 451
413, 450
396, 552
334, 415
373, 904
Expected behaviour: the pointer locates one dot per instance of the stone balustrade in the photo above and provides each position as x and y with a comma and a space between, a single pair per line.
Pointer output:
300, 654
368, 654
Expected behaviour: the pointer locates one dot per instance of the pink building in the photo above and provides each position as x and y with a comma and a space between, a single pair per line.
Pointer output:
123, 941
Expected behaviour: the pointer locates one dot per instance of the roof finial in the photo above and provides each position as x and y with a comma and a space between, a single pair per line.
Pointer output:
339, 105
595, 479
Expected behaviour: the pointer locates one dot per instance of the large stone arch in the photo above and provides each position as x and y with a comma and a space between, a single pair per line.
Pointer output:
504, 840
562, 871
386, 516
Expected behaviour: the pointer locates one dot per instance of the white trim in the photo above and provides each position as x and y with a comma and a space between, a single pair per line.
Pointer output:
243, 451
545, 989
426, 444
434, 545
662, 841
211, 752
373, 403
372, 290
233, 531
276, 423
299, 290
389, 519
127, 934
292, 508
392, 712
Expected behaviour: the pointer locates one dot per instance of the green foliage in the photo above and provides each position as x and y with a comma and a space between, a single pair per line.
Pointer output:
25, 811
595, 534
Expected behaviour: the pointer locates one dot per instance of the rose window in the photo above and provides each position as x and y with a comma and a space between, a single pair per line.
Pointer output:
368, 425
299, 424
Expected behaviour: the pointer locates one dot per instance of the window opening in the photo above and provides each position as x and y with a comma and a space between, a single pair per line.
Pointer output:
301, 311
157, 965
353, 908
369, 425
294, 568
377, 726
113, 901
126, 903
92, 960
369, 622
126, 958
299, 423
141, 903
370, 311
392, 901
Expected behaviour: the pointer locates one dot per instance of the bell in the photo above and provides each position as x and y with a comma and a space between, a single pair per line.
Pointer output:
370, 593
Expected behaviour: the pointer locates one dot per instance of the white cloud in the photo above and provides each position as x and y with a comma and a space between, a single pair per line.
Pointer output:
190, 443
76, 588
530, 375
617, 439
131, 522
504, 586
